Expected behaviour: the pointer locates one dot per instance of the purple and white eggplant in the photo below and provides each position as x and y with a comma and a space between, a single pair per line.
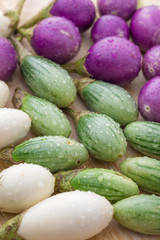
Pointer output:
80, 12
122, 8
55, 38
108, 26
113, 59
145, 27
149, 100
8, 59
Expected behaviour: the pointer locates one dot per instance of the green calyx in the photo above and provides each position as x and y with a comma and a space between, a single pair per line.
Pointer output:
76, 115
14, 16
63, 180
27, 33
82, 83
8, 230
42, 14
77, 67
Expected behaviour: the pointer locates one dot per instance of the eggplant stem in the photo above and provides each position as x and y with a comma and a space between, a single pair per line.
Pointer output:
42, 14
75, 115
19, 7
8, 230
17, 98
22, 52
77, 67
27, 33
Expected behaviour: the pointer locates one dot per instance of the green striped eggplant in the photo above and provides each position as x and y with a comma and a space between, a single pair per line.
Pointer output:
144, 136
144, 171
47, 118
109, 99
108, 183
56, 153
100, 134
139, 213
45, 78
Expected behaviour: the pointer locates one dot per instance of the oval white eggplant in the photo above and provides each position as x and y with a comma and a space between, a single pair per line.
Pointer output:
4, 94
14, 126
24, 185
73, 215
5, 25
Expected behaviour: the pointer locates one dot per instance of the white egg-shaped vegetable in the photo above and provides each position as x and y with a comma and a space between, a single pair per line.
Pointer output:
14, 126
24, 185
73, 215
4, 94
5, 25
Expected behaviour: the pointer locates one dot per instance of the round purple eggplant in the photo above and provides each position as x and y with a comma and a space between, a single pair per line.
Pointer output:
109, 25
122, 8
81, 12
145, 27
149, 100
8, 59
151, 62
112, 59
115, 60
57, 39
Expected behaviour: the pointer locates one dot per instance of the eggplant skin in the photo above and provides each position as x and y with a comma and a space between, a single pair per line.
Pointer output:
112, 100
48, 80
56, 153
139, 213
144, 171
144, 137
102, 137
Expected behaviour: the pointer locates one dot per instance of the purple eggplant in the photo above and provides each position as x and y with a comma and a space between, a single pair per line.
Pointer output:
8, 59
113, 59
145, 27
149, 100
55, 38
80, 12
122, 8
151, 62
108, 26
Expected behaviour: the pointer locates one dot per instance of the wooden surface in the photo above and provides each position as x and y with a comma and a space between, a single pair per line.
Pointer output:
114, 231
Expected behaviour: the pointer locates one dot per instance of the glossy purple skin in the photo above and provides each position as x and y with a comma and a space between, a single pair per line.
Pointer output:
81, 12
145, 27
8, 59
149, 100
57, 39
151, 62
122, 8
115, 60
108, 26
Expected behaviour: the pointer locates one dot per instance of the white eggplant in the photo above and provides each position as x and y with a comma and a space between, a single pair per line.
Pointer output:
5, 23
4, 90
67, 216
9, 19
14, 126
24, 185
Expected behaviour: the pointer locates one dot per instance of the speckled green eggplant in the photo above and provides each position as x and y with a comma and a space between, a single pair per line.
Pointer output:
108, 183
56, 153
144, 171
100, 134
144, 137
139, 213
47, 118
45, 78
109, 99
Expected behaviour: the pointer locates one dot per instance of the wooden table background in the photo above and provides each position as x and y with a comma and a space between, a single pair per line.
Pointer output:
114, 231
